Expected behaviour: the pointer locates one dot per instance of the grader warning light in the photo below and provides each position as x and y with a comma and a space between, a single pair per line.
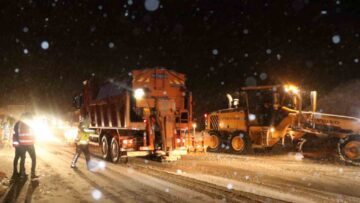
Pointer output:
291, 89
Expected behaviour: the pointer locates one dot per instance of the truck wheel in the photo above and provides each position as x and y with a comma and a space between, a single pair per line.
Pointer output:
115, 150
105, 148
349, 150
214, 142
239, 143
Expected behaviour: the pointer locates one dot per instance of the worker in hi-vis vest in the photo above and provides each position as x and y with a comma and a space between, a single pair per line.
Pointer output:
82, 144
23, 141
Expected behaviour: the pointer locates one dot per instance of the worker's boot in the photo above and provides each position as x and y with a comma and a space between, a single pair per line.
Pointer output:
34, 176
23, 175
73, 162
15, 176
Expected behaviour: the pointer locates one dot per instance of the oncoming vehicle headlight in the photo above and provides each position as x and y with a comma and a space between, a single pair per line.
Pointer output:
71, 133
139, 93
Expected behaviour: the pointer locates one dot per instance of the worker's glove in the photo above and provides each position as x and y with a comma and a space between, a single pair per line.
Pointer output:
15, 144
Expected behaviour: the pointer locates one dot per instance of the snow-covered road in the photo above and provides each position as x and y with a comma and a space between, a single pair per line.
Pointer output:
194, 178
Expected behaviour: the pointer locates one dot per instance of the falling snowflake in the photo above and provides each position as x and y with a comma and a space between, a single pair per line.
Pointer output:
252, 117
178, 171
278, 56
130, 2
268, 51
100, 7
111, 45
323, 12
167, 190
26, 51
25, 29
263, 76
93, 74
96, 194
247, 177
356, 60
340, 63
152, 5
16, 70
44, 45
229, 186
246, 31
246, 55
336, 39
146, 161
215, 52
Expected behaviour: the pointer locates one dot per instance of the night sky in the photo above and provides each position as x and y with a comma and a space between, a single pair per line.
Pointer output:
47, 48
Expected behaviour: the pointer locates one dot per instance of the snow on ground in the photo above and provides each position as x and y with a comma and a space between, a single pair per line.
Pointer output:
279, 177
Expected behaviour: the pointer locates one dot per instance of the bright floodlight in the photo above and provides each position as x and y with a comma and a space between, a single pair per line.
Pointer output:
139, 93
292, 89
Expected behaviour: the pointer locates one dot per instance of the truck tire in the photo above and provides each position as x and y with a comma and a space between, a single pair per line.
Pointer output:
105, 149
349, 149
214, 143
115, 150
239, 143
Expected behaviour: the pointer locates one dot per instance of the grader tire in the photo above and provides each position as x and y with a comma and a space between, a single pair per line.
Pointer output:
215, 143
239, 143
349, 150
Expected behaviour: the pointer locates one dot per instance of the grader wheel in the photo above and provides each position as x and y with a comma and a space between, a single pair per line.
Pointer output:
237, 144
240, 144
214, 142
349, 150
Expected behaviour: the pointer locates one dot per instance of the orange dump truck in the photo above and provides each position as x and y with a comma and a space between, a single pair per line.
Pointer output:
148, 113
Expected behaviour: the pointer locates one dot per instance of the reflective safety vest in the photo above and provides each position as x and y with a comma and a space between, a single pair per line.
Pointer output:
26, 136
83, 137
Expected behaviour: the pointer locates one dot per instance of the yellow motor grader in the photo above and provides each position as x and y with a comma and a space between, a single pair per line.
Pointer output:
263, 116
